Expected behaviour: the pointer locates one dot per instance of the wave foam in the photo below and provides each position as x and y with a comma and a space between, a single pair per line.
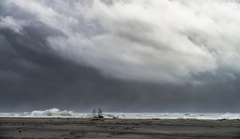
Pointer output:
57, 113
51, 112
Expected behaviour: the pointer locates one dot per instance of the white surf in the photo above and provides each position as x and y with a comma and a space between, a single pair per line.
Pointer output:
70, 114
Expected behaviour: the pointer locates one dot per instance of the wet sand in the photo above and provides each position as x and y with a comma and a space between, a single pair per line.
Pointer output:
64, 128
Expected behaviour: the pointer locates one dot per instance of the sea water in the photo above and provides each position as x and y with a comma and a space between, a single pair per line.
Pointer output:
70, 114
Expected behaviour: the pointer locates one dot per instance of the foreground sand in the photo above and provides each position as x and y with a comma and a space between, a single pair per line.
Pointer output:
63, 128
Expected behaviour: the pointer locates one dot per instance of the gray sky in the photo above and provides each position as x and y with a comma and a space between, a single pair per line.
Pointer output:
121, 56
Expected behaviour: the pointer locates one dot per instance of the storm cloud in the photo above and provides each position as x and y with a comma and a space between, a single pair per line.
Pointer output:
131, 56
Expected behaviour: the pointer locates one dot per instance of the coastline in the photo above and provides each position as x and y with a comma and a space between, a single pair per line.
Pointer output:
25, 127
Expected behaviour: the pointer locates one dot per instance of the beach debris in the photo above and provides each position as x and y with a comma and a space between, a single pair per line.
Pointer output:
97, 119
135, 123
222, 119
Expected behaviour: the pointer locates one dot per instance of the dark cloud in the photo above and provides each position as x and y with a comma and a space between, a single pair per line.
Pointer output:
66, 65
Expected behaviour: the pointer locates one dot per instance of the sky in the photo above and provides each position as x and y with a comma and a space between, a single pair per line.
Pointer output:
120, 55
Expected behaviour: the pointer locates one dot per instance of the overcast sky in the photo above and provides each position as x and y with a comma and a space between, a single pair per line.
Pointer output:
120, 55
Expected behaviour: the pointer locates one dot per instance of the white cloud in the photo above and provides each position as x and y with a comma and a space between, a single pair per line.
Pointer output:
11, 23
157, 41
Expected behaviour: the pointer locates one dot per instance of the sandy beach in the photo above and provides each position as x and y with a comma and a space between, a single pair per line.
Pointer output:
63, 128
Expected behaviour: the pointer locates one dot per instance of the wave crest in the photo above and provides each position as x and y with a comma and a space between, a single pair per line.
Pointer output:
51, 112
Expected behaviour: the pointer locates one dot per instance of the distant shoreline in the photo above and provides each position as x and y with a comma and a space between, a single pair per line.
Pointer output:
52, 117
65, 114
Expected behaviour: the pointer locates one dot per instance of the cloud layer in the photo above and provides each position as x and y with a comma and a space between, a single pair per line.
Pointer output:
154, 41
158, 55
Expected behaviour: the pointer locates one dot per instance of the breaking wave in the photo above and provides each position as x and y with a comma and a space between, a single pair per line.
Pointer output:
51, 112
57, 113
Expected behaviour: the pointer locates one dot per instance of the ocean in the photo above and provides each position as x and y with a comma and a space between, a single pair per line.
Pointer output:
56, 113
